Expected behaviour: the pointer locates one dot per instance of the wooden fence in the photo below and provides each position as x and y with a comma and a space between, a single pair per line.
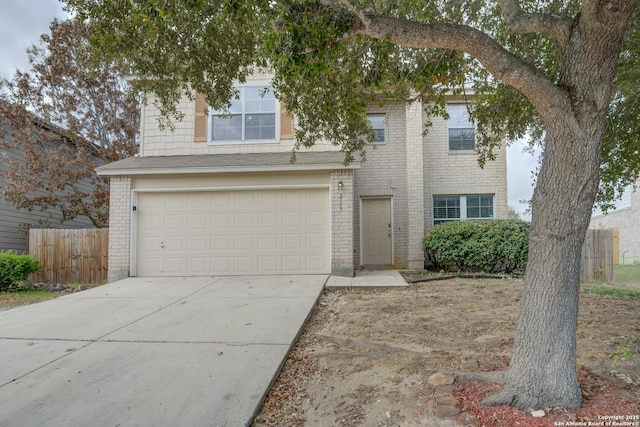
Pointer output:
70, 256
599, 254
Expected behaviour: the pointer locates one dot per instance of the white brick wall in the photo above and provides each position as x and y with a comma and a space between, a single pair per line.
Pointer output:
342, 223
415, 185
384, 174
458, 173
119, 227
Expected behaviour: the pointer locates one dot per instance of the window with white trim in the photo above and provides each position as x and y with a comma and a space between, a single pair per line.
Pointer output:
462, 133
377, 122
251, 117
456, 208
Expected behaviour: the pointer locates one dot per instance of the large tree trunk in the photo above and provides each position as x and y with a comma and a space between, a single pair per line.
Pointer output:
542, 372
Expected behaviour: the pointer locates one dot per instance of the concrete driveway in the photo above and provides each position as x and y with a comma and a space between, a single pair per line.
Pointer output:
151, 352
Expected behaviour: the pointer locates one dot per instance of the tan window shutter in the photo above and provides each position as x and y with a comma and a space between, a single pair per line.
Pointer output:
200, 129
286, 124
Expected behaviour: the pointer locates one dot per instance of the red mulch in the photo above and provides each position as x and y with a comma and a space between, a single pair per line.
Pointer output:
599, 400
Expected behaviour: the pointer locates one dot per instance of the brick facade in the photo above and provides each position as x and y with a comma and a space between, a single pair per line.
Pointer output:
120, 211
342, 222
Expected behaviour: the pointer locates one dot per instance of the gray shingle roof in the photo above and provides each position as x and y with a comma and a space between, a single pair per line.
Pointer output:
240, 162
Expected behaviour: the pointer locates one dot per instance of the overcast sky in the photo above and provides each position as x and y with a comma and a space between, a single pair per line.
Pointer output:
22, 22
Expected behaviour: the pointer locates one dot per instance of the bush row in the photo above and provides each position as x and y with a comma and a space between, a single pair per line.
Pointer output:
490, 246
14, 268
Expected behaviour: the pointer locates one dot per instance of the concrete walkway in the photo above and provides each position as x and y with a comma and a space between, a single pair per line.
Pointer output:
151, 352
368, 279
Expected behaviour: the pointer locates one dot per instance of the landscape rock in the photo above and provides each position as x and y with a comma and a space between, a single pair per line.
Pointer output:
465, 419
441, 379
470, 365
447, 406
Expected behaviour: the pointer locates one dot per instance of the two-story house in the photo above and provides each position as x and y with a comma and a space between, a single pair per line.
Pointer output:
218, 195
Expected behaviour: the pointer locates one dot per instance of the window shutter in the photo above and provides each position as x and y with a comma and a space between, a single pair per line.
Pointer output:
286, 124
200, 123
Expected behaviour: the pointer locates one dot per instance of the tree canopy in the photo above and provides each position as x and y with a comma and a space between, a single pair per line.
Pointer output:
321, 54
67, 115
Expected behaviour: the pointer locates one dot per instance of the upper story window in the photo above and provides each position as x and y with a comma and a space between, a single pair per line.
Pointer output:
251, 117
462, 133
377, 122
455, 208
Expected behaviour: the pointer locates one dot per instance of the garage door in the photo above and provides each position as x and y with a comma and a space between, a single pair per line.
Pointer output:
233, 233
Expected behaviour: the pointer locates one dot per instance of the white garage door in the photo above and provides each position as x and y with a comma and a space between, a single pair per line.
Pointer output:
233, 233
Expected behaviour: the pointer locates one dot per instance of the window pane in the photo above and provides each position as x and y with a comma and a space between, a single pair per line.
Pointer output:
227, 128
377, 123
462, 139
446, 208
259, 99
458, 116
260, 126
480, 206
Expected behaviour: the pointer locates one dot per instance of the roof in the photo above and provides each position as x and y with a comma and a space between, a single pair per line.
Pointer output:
237, 162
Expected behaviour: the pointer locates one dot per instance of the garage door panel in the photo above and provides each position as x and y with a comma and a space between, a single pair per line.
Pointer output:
198, 266
316, 263
267, 219
292, 241
174, 266
221, 220
221, 265
244, 219
198, 222
244, 264
197, 244
268, 242
244, 200
316, 241
292, 220
292, 263
221, 243
245, 243
268, 264
233, 232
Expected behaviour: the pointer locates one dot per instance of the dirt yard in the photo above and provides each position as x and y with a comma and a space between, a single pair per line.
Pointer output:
366, 357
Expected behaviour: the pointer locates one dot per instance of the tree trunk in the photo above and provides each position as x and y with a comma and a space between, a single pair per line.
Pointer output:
542, 372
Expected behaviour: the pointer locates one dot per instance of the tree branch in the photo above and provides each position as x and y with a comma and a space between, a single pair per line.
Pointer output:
520, 22
362, 16
504, 66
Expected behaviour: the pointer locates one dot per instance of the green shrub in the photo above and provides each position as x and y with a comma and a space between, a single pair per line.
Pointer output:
490, 246
15, 268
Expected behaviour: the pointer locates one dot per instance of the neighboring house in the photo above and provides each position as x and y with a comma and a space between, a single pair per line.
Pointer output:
625, 216
14, 223
219, 196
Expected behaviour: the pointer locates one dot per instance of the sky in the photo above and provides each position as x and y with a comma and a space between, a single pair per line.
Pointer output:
23, 21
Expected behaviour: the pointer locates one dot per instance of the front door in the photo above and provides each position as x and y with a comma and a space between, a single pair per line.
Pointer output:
376, 232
